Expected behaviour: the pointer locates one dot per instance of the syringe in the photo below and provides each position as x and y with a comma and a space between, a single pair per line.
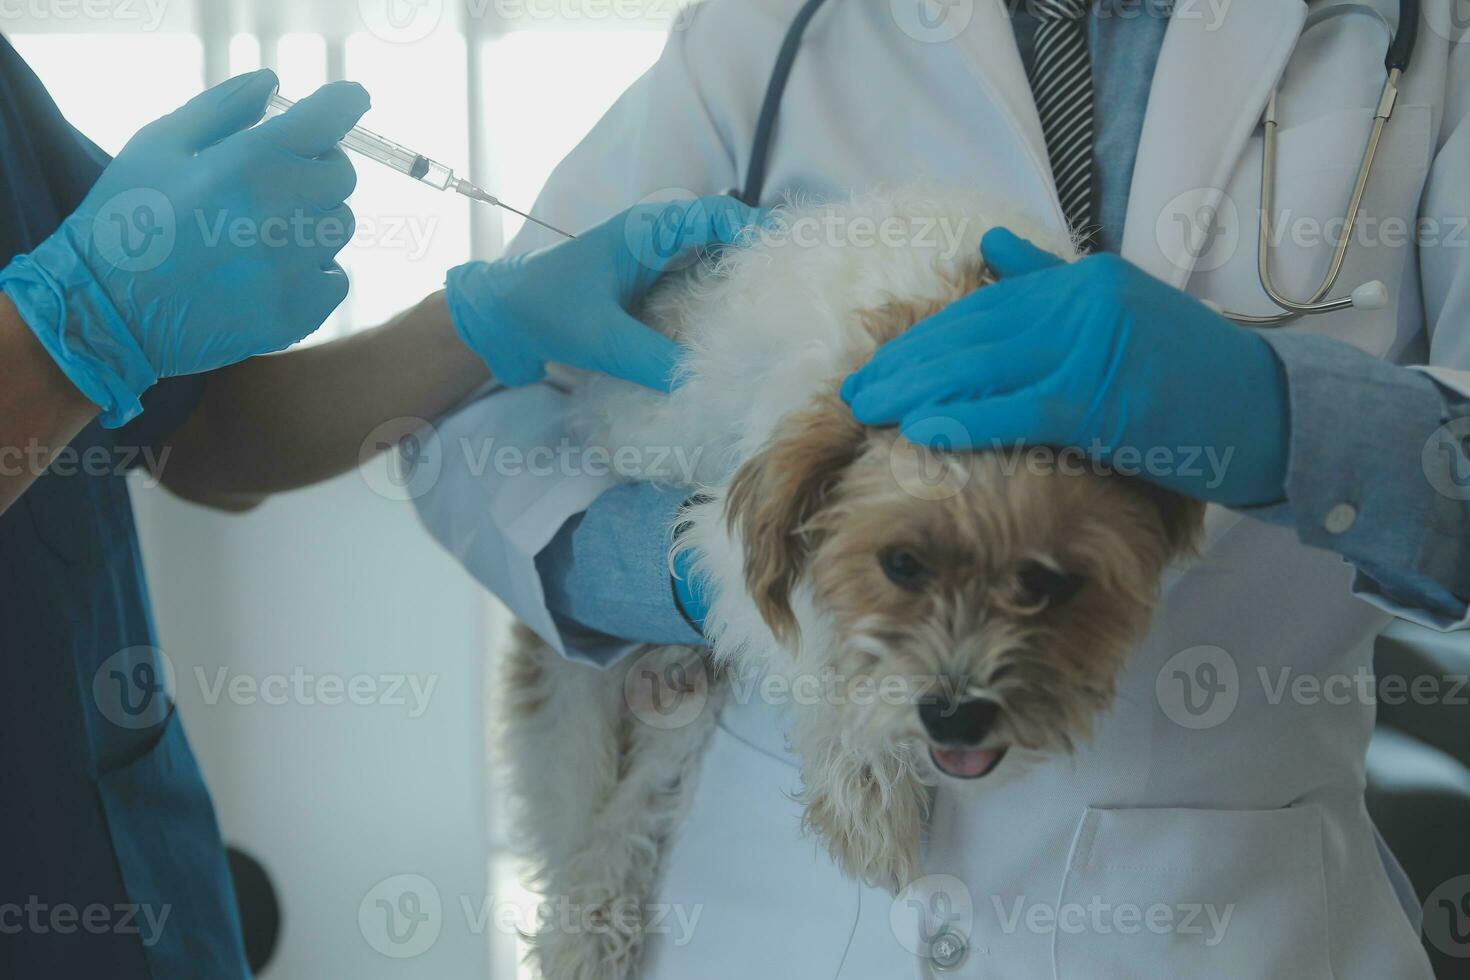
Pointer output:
415, 165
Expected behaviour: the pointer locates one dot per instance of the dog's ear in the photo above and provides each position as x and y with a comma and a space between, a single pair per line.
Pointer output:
776, 493
1183, 518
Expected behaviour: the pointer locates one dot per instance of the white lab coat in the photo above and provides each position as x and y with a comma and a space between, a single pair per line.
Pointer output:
1090, 865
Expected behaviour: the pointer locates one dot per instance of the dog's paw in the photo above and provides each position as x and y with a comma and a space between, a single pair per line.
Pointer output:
870, 821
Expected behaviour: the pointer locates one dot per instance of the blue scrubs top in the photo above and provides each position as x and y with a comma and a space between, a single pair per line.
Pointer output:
111, 863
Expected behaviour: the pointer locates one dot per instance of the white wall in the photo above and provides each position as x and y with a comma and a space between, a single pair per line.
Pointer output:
332, 582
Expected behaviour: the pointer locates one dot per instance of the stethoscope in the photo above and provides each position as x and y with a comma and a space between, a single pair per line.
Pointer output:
1371, 295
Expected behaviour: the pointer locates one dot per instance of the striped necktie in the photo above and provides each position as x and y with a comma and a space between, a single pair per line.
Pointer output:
1061, 83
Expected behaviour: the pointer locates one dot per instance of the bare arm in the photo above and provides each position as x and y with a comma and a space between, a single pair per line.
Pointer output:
290, 420
40, 410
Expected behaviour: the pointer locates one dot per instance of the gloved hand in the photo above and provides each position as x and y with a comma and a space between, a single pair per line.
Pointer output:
202, 244
570, 302
1096, 355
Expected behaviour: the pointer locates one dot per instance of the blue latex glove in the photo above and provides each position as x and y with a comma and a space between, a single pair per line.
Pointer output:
691, 591
1096, 355
570, 302
202, 244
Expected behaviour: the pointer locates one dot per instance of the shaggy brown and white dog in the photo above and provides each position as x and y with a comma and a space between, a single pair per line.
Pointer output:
991, 598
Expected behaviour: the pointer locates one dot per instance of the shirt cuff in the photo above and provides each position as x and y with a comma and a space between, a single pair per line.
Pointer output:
1357, 481
608, 571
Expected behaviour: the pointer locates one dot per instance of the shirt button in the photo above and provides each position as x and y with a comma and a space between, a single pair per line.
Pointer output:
1340, 519
948, 950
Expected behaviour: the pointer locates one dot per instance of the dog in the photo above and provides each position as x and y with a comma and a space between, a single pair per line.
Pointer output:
992, 599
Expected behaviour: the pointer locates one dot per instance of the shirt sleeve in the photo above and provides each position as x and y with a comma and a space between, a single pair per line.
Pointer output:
497, 516
1359, 480
607, 571
1379, 470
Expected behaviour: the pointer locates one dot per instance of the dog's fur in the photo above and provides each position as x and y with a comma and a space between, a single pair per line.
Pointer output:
801, 510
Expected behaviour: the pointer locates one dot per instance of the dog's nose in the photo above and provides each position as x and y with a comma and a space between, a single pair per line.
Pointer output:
966, 723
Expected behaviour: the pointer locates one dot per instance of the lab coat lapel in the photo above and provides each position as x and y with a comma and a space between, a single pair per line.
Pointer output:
989, 43
1215, 72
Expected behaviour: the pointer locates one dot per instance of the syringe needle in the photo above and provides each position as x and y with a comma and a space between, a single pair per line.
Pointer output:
415, 165
536, 220
471, 191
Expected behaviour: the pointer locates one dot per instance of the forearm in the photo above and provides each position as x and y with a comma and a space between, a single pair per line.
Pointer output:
290, 420
1359, 480
40, 410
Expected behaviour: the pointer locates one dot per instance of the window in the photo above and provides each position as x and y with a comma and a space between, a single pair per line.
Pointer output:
542, 85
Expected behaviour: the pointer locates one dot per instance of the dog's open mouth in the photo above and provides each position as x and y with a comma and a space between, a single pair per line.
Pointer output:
967, 763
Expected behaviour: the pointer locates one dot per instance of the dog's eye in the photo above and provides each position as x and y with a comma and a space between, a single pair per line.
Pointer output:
903, 568
1041, 585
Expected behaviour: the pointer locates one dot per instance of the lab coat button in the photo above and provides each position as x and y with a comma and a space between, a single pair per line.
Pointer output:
948, 950
1340, 519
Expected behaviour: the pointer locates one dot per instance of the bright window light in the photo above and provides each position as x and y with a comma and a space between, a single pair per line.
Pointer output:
543, 91
147, 76
301, 61
408, 234
244, 54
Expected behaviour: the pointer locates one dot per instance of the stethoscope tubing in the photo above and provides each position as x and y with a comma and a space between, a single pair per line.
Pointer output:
1396, 62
